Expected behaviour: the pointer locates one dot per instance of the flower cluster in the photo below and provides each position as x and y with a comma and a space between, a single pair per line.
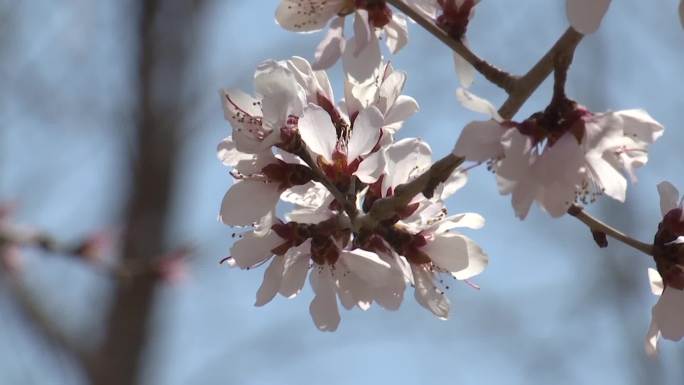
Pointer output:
331, 163
560, 156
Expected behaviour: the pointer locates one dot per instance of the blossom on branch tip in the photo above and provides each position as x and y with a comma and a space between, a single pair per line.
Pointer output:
667, 281
559, 156
371, 18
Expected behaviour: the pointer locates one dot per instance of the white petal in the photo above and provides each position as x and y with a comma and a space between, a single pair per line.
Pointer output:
317, 131
306, 15
323, 308
652, 337
367, 266
309, 216
427, 295
252, 249
390, 88
362, 31
272, 279
403, 108
365, 134
480, 141
282, 95
455, 182
477, 104
585, 15
407, 158
640, 126
371, 168
473, 221
613, 183
234, 101
228, 153
396, 33
330, 49
247, 202
448, 251
668, 313
669, 197
477, 261
464, 70
656, 281
362, 66
296, 265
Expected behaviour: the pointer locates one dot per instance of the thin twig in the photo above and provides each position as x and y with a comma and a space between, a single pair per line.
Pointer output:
596, 225
495, 75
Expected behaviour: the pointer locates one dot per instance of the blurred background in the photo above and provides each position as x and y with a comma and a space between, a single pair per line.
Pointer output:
109, 120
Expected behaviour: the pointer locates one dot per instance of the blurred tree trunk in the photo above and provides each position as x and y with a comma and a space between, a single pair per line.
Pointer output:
164, 29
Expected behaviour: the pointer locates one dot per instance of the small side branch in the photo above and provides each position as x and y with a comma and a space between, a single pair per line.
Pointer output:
426, 184
495, 75
597, 226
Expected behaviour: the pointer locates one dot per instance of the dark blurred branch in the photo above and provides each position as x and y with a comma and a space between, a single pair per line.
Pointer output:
41, 321
164, 31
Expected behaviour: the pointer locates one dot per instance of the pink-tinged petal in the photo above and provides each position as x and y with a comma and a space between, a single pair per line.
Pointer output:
306, 15
317, 131
228, 153
656, 281
585, 15
480, 141
367, 265
371, 167
252, 250
330, 49
396, 33
464, 70
477, 104
365, 65
352, 291
403, 108
323, 308
448, 251
296, 266
427, 295
652, 337
365, 133
613, 183
309, 216
247, 202
281, 95
272, 278
669, 197
668, 314
362, 31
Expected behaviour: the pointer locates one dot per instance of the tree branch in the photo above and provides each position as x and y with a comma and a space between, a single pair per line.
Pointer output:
426, 183
529, 83
496, 76
597, 226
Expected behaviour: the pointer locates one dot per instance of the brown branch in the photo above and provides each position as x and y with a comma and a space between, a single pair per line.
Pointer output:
495, 75
596, 225
529, 83
426, 184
